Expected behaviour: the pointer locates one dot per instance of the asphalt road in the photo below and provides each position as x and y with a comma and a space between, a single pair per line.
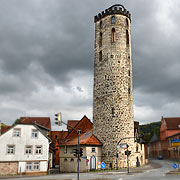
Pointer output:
156, 171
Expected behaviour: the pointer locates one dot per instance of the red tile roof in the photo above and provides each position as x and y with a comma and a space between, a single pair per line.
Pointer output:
71, 123
172, 123
5, 128
60, 135
84, 125
84, 139
42, 121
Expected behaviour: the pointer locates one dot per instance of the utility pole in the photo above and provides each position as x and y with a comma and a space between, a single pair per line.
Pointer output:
178, 156
78, 156
127, 159
117, 155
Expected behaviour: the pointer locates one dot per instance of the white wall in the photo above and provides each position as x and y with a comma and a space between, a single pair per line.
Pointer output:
97, 154
20, 144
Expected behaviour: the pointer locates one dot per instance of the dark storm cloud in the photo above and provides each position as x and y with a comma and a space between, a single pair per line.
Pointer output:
156, 57
44, 43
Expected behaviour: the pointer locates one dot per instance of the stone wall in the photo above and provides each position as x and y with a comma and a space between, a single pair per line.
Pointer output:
8, 168
113, 101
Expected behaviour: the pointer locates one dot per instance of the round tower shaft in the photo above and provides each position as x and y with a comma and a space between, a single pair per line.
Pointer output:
113, 100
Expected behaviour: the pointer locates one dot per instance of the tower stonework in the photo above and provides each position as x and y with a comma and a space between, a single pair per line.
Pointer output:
113, 117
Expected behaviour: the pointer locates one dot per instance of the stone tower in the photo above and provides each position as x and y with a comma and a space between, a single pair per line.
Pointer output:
113, 101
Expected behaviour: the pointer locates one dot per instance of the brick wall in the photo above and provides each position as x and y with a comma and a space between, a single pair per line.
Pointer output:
7, 168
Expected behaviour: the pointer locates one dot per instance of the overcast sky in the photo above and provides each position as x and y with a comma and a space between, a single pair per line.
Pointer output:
46, 57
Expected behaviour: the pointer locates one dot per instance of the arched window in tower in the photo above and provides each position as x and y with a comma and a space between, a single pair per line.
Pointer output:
100, 56
113, 19
127, 22
113, 35
129, 90
129, 73
113, 113
100, 39
127, 37
100, 25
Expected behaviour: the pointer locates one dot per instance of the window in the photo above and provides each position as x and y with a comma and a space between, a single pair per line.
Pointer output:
38, 150
109, 153
71, 150
100, 39
65, 149
101, 25
65, 160
10, 149
28, 150
112, 112
113, 35
127, 22
72, 160
127, 37
36, 166
129, 91
113, 19
34, 133
129, 72
29, 166
16, 132
137, 148
100, 56
93, 149
79, 131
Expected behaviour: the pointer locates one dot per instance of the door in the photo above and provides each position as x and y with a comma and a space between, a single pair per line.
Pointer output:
93, 163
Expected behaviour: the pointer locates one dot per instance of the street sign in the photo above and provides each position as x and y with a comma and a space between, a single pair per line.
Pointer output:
99, 162
175, 166
175, 142
124, 146
103, 165
84, 157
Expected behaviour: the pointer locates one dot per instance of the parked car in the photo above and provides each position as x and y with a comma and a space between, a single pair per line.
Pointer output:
160, 157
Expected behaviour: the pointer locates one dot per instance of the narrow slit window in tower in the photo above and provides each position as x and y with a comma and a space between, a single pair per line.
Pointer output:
113, 19
127, 22
129, 91
100, 39
113, 112
113, 35
101, 25
127, 37
100, 56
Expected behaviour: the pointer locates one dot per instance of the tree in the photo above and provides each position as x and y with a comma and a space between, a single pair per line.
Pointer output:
16, 121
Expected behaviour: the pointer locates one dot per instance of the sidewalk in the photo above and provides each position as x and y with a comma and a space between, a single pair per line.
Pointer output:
141, 169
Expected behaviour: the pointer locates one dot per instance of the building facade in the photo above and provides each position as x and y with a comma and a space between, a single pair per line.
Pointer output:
89, 160
24, 150
169, 127
90, 145
113, 98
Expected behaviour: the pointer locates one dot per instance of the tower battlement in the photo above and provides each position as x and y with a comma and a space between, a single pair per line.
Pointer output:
115, 9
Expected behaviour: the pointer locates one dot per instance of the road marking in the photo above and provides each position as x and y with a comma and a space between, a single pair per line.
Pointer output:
120, 179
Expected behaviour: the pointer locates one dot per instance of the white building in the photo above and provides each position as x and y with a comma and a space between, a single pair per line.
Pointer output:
24, 149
